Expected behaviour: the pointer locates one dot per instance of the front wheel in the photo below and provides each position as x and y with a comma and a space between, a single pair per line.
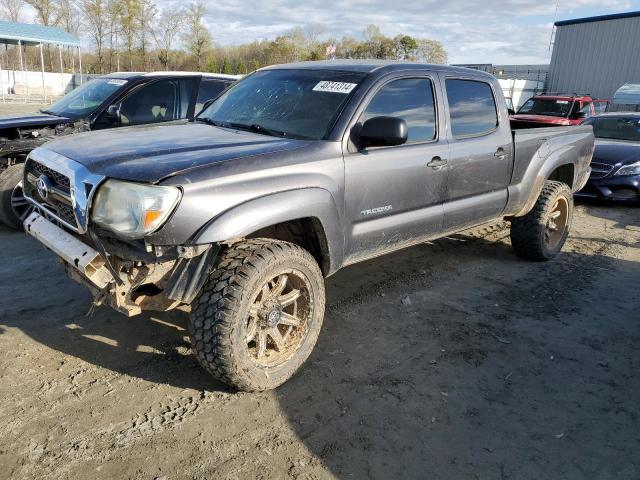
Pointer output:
259, 315
541, 233
14, 208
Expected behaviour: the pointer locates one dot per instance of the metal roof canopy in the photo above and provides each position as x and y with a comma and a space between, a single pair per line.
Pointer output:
27, 34
30, 34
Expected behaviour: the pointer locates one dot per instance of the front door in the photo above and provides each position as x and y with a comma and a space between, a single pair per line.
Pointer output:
393, 194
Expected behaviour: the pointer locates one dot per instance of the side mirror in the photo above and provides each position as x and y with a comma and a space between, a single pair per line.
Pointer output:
578, 115
113, 112
383, 132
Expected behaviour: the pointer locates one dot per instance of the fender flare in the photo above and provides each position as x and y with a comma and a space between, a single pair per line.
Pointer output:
253, 215
528, 190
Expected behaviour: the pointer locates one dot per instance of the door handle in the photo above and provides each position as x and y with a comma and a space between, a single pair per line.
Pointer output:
437, 162
500, 153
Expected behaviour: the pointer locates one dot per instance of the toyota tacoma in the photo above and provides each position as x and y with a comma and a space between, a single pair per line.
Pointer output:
293, 173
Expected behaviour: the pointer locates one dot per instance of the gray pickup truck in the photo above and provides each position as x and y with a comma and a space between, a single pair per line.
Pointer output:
295, 172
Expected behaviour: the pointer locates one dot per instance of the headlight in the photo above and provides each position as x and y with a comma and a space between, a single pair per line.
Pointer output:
132, 210
633, 169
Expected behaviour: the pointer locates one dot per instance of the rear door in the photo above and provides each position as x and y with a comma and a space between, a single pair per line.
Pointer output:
480, 153
392, 196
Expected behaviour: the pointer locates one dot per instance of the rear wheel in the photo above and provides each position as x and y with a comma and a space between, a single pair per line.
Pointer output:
14, 208
259, 315
541, 233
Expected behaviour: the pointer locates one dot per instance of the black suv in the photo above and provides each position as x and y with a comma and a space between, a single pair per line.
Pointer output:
114, 100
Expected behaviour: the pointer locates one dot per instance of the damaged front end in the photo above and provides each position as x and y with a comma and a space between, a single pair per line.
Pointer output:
16, 143
128, 275
128, 279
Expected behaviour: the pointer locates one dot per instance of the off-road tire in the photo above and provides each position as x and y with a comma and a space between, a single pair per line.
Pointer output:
528, 232
9, 178
218, 315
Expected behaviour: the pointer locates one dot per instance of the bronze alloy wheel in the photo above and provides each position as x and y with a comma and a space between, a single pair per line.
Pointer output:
278, 318
557, 222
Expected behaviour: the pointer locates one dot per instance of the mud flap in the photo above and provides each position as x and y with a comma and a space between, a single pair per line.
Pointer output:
189, 275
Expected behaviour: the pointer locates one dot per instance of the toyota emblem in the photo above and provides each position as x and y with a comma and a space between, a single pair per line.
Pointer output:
44, 186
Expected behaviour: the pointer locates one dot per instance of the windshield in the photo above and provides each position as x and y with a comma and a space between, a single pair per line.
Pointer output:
618, 128
545, 106
86, 98
290, 103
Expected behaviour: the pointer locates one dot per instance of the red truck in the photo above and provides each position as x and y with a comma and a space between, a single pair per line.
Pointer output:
557, 110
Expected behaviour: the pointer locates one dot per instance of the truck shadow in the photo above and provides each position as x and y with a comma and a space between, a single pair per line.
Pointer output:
155, 346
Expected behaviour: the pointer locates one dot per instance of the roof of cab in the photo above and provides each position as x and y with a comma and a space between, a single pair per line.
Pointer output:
128, 75
370, 66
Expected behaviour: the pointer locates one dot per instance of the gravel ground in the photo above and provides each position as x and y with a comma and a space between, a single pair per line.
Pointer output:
449, 360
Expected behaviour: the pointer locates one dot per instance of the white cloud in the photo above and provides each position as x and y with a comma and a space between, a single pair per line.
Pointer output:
472, 31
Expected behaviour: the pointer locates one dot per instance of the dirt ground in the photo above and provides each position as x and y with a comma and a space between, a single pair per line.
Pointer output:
449, 360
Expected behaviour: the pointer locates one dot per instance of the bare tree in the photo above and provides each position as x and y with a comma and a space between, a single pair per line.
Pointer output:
96, 16
69, 16
47, 11
146, 19
114, 29
197, 37
12, 10
168, 27
129, 15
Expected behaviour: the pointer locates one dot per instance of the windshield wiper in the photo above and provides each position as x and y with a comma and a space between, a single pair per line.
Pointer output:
256, 127
48, 112
208, 121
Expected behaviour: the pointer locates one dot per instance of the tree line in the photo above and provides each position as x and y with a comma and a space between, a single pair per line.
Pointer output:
136, 35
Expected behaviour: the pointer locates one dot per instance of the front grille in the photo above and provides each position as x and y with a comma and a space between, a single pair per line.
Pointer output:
58, 203
600, 170
58, 179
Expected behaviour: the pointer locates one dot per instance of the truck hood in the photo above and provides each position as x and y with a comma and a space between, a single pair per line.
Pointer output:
152, 153
614, 152
30, 120
547, 119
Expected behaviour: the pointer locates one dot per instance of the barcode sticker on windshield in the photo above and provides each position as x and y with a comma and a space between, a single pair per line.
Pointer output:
334, 87
115, 81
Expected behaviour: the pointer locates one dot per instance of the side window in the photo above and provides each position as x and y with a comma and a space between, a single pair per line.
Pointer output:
160, 101
209, 89
410, 99
472, 108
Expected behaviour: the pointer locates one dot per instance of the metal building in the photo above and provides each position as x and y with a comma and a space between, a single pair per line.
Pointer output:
595, 55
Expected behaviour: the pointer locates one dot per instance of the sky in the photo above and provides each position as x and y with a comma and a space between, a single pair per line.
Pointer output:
472, 31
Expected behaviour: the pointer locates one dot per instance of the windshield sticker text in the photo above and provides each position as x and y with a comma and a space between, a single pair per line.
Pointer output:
334, 87
116, 81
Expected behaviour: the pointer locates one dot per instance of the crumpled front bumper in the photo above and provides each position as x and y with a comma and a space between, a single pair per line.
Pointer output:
83, 258
160, 285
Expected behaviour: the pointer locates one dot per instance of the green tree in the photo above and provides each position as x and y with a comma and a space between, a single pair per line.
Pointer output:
255, 65
241, 68
226, 66
405, 47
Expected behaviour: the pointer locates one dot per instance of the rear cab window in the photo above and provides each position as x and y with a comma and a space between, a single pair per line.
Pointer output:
411, 99
472, 107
